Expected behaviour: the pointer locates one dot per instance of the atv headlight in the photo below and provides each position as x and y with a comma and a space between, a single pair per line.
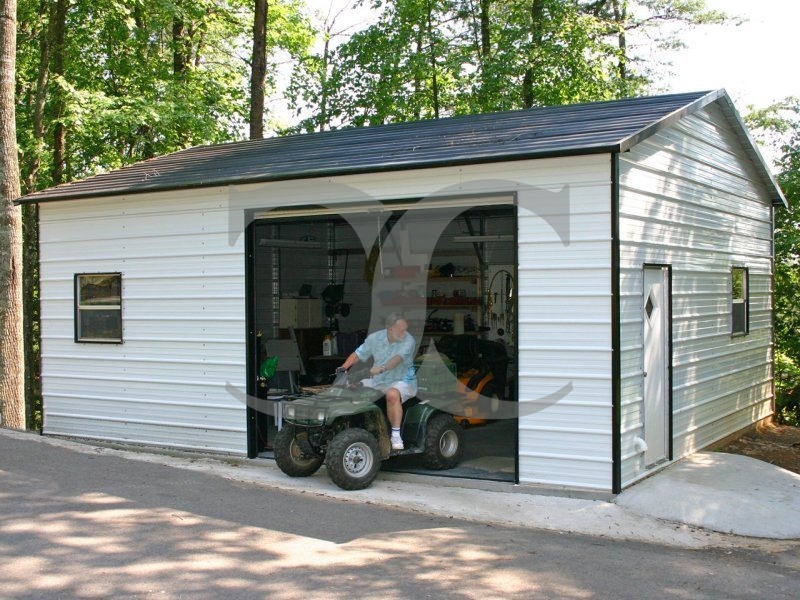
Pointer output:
321, 415
288, 411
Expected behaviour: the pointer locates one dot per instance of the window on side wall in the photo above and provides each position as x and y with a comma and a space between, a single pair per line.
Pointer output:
740, 301
98, 307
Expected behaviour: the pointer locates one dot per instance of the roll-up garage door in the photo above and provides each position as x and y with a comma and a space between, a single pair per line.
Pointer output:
343, 208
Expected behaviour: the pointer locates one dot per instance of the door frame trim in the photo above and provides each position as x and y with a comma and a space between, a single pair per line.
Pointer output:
616, 364
251, 367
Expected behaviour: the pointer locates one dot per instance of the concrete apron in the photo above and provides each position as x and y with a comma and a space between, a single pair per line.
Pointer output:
683, 505
728, 493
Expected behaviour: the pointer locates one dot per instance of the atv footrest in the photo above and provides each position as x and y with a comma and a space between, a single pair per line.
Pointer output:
407, 450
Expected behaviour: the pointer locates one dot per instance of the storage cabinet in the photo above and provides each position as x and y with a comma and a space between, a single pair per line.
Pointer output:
301, 313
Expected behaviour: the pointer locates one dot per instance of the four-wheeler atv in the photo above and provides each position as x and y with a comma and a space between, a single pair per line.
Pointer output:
346, 427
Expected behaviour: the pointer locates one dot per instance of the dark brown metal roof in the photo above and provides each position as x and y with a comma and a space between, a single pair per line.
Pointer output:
612, 126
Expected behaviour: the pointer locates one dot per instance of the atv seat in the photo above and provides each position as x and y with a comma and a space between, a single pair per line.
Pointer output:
411, 402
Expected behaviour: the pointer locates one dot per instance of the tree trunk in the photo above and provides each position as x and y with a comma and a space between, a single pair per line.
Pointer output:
537, 27
483, 50
59, 129
180, 57
323, 82
418, 90
35, 159
486, 35
434, 66
620, 16
12, 356
181, 42
31, 314
258, 71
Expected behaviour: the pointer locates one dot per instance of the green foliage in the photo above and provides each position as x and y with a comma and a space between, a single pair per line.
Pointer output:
558, 55
434, 58
133, 80
787, 312
787, 390
779, 126
143, 78
149, 77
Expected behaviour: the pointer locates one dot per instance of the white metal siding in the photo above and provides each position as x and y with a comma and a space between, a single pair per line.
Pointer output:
184, 311
688, 199
183, 315
565, 336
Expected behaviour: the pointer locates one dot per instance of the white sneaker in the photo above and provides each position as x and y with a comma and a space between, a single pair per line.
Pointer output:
397, 443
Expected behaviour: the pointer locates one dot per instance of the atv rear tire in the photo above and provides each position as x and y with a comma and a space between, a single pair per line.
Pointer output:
353, 459
290, 456
444, 443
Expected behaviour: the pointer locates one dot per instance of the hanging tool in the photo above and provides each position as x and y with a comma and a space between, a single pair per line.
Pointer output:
333, 295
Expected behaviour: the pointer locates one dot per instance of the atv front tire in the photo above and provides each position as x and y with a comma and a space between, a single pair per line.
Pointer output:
444, 443
290, 456
353, 459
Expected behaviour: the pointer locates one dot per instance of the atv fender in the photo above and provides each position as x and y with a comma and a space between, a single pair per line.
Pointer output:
415, 421
375, 422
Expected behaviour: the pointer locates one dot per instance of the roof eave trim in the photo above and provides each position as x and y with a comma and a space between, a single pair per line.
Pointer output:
325, 172
777, 197
672, 118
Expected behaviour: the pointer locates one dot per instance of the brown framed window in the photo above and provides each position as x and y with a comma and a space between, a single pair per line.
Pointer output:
98, 307
740, 301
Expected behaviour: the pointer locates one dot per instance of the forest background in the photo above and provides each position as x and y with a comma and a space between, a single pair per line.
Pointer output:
87, 86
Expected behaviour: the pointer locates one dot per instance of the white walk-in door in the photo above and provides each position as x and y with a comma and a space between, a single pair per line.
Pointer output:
656, 363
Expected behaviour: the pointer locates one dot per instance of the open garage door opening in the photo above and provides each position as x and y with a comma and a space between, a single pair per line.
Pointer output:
320, 280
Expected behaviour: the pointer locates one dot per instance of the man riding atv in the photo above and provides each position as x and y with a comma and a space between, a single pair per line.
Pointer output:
345, 425
392, 372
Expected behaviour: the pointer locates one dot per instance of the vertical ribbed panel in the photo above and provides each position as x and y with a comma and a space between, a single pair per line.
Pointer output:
183, 306
565, 336
688, 199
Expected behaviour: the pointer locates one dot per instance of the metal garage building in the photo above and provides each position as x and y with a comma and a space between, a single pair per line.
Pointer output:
622, 252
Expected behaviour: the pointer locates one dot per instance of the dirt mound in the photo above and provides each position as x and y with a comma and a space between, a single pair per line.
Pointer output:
772, 443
